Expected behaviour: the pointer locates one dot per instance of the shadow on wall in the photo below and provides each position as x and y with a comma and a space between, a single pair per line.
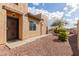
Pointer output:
73, 44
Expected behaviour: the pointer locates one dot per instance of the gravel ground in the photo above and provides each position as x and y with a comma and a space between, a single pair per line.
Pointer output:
46, 46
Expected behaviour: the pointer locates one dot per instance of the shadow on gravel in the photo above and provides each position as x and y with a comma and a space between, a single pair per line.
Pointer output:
56, 40
73, 44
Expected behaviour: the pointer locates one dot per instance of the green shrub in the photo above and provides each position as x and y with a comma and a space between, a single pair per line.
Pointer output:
62, 30
58, 30
61, 33
62, 36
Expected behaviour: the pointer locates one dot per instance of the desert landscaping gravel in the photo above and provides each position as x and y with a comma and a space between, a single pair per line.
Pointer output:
46, 46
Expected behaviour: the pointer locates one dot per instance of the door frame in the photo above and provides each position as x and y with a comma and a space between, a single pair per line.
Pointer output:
15, 18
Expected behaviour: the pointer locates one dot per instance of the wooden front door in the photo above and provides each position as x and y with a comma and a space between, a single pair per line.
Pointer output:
12, 28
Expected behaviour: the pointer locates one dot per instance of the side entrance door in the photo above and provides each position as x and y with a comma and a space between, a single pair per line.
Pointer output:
12, 28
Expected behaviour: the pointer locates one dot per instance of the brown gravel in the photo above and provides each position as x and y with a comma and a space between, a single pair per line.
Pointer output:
46, 46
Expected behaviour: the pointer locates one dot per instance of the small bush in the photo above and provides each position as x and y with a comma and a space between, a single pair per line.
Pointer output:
61, 33
62, 36
62, 30
58, 30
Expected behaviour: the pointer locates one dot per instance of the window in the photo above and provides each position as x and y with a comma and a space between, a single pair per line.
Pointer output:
32, 25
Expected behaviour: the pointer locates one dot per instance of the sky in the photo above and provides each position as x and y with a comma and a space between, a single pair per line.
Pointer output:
67, 11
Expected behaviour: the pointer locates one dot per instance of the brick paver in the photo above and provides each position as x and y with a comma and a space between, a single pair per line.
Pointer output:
46, 46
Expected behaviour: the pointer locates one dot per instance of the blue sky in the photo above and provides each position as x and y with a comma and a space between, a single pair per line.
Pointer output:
69, 11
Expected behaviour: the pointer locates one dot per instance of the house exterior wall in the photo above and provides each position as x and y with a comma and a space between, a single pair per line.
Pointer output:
36, 32
19, 11
19, 8
2, 26
43, 22
44, 26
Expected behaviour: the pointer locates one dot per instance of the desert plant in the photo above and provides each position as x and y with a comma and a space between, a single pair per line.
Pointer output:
62, 29
62, 36
57, 30
59, 22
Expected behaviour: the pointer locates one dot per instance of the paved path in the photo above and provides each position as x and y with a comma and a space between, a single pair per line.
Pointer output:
46, 46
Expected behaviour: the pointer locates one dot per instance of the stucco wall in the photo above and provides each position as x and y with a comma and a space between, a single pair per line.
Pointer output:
20, 7
44, 23
20, 11
33, 33
2, 25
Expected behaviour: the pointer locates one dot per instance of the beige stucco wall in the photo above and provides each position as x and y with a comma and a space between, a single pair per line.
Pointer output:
44, 25
25, 28
20, 11
27, 33
17, 8
2, 26
36, 32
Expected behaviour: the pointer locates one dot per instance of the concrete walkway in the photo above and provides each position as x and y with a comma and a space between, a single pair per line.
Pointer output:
25, 41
